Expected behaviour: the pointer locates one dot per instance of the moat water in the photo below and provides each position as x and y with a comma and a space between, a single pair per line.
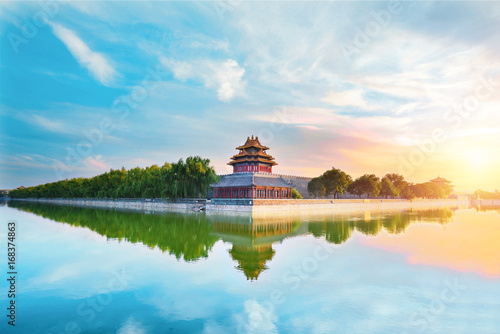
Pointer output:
85, 270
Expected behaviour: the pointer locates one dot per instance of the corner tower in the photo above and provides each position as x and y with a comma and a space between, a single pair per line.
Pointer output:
252, 157
252, 176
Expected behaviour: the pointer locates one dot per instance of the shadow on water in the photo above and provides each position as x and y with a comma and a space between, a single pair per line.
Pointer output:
190, 236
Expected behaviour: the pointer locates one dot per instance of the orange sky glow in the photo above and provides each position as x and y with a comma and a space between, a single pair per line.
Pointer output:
468, 248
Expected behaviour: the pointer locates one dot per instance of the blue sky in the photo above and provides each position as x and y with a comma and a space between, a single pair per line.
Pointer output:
368, 87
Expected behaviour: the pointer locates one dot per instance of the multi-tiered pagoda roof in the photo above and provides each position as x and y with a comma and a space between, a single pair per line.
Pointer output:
252, 176
252, 151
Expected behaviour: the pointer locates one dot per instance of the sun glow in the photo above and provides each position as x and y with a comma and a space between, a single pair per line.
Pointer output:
478, 158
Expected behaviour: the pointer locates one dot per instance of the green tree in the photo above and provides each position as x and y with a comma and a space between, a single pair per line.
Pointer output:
336, 182
316, 187
407, 192
397, 180
356, 187
296, 194
387, 188
190, 179
367, 184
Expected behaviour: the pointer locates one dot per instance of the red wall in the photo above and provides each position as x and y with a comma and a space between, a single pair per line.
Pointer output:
249, 168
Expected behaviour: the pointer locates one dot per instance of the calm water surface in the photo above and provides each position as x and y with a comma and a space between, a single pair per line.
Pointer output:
85, 270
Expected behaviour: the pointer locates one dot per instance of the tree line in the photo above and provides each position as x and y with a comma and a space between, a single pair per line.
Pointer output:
335, 182
482, 194
173, 180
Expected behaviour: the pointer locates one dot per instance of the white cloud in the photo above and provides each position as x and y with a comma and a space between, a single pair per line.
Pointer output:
257, 318
48, 124
224, 76
349, 98
98, 66
182, 70
131, 326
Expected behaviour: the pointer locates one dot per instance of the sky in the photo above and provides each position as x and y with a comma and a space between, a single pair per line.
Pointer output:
363, 86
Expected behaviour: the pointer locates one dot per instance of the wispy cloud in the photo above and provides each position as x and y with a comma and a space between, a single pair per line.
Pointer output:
226, 77
96, 63
350, 98
48, 124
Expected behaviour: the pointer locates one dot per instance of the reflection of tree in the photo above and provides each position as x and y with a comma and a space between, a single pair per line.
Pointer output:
441, 216
487, 208
252, 260
340, 229
372, 227
186, 236
191, 237
336, 232
397, 223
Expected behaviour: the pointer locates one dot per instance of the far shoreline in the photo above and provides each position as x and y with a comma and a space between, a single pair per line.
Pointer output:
302, 206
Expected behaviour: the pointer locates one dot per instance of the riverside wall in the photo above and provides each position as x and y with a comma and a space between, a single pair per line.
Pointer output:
486, 202
132, 204
330, 205
262, 205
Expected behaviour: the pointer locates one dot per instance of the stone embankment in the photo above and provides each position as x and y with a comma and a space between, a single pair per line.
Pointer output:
260, 205
329, 205
485, 202
132, 204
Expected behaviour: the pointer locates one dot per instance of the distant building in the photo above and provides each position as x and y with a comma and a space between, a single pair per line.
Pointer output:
252, 175
441, 181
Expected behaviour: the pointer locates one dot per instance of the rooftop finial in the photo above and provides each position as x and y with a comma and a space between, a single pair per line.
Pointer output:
252, 137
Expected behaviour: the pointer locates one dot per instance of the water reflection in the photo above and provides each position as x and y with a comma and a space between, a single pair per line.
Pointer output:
470, 244
487, 208
185, 236
191, 236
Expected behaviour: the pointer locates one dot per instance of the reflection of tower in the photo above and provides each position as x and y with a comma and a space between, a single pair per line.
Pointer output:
252, 260
252, 239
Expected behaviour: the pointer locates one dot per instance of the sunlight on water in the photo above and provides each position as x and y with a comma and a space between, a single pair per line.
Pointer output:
470, 243
422, 271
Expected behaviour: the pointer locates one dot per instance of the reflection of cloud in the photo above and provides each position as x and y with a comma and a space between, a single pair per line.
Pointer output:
257, 318
211, 327
59, 274
460, 246
131, 326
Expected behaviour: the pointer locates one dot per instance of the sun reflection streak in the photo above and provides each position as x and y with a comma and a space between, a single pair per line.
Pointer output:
468, 244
